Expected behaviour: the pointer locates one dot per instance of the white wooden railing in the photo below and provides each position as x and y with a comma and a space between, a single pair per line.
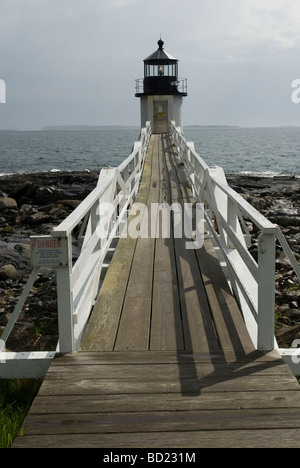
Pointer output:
226, 213
78, 284
226, 216
78, 281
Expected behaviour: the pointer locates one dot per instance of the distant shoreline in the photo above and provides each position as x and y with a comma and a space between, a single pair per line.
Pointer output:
78, 128
75, 128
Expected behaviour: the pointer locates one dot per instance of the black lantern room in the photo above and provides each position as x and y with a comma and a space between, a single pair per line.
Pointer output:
161, 75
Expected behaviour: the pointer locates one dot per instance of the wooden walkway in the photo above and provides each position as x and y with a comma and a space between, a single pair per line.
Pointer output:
166, 360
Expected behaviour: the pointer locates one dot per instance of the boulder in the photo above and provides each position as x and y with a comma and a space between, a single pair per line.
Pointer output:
22, 190
38, 218
8, 272
8, 204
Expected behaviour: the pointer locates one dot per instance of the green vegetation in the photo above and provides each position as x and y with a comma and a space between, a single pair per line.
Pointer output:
16, 397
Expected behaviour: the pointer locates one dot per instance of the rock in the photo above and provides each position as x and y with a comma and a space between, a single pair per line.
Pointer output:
8, 204
286, 335
8, 256
8, 272
8, 230
285, 221
22, 191
282, 261
260, 203
27, 210
293, 314
70, 203
38, 218
293, 295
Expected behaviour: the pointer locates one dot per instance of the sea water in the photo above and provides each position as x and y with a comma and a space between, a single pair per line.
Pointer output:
258, 151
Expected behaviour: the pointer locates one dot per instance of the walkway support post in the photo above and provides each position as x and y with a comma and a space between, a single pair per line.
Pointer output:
266, 291
65, 304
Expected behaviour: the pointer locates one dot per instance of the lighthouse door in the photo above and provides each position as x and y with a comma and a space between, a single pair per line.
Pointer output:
160, 111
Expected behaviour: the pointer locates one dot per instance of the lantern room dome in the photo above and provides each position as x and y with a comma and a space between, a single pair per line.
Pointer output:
160, 54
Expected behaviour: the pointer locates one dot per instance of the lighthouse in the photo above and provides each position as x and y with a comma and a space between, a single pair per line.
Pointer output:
161, 92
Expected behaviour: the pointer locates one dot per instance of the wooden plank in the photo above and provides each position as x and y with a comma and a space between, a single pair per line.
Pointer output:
102, 327
102, 423
134, 327
169, 371
199, 331
162, 440
133, 333
229, 323
69, 404
166, 326
198, 326
162, 384
140, 284
274, 438
169, 357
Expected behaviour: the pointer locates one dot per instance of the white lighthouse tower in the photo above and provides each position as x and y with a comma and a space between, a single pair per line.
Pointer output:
161, 91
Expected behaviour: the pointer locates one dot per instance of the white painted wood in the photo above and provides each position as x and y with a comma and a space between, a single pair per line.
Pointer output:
266, 291
32, 365
292, 358
65, 304
82, 280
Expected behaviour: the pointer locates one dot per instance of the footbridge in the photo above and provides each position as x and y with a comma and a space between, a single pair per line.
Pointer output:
166, 321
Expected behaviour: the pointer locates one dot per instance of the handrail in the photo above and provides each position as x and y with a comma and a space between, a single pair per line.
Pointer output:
253, 283
78, 282
118, 188
255, 216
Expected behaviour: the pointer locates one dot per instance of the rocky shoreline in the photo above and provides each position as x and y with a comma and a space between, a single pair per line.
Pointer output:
278, 199
32, 204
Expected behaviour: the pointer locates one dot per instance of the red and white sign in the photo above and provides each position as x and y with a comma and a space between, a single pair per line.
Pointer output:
49, 251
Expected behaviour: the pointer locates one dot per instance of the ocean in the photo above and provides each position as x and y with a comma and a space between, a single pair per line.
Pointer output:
257, 151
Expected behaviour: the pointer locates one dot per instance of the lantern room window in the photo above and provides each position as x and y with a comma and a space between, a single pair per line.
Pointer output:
161, 70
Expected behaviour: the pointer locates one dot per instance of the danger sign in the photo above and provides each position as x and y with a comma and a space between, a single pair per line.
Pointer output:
49, 251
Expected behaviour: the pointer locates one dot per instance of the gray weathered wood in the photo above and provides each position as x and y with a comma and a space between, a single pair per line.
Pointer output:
162, 393
166, 360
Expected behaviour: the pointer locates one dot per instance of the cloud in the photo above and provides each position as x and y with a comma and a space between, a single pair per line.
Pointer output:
242, 30
274, 23
77, 59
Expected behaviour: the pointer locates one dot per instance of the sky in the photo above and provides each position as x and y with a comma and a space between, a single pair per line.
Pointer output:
74, 62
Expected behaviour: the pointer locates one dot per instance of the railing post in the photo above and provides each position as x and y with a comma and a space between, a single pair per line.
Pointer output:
231, 220
65, 304
266, 291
